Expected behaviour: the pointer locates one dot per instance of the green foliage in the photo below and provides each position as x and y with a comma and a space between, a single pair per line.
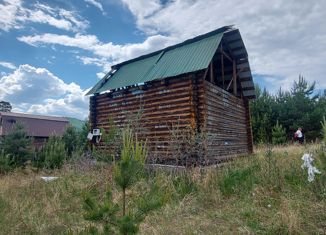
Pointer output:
133, 157
110, 138
6, 163
184, 185
76, 139
70, 139
18, 145
302, 107
323, 130
261, 208
82, 136
127, 171
52, 155
271, 170
278, 134
237, 181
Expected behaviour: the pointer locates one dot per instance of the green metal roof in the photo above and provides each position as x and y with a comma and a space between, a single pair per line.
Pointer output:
192, 55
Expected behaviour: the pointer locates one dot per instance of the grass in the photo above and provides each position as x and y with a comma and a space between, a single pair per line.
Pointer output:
266, 193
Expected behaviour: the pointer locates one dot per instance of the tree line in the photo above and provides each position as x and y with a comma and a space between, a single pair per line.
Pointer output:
275, 117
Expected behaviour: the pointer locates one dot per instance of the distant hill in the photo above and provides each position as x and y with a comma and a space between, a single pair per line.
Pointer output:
76, 122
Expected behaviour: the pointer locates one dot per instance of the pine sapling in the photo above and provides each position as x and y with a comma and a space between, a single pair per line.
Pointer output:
278, 134
115, 217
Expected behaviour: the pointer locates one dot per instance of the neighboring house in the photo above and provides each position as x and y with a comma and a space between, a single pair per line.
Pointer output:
36, 126
203, 84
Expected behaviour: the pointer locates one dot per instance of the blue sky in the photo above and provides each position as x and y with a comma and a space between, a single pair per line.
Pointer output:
52, 52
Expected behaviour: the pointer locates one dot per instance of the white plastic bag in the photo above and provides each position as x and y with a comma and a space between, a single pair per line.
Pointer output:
307, 163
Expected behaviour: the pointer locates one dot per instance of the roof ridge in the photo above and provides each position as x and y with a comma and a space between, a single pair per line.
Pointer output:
34, 116
186, 42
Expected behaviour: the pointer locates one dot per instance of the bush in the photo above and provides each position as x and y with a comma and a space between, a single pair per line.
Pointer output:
18, 145
184, 185
70, 140
5, 163
82, 137
323, 130
52, 155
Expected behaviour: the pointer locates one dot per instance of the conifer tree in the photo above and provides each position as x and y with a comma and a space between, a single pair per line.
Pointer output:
115, 217
278, 134
18, 145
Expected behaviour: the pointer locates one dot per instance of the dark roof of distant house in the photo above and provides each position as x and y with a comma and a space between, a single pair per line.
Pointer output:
33, 116
189, 56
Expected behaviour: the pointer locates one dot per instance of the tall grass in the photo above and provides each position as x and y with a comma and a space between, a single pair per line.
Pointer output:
266, 193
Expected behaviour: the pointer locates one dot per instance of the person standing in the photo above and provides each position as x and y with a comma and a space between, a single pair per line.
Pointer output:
298, 135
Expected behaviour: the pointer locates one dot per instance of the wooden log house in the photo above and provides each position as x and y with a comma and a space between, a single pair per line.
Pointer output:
203, 85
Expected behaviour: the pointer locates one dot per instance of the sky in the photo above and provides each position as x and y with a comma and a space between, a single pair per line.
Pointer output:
52, 52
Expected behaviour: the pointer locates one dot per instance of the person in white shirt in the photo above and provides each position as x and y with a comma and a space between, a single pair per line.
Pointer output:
299, 135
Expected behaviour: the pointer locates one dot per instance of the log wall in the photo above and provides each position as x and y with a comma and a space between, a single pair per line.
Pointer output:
161, 108
171, 112
227, 124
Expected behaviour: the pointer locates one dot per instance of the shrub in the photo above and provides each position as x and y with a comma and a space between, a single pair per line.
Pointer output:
52, 155
18, 145
82, 136
70, 140
323, 130
184, 185
5, 163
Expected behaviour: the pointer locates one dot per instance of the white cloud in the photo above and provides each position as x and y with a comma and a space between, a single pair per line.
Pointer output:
283, 38
7, 65
37, 90
108, 53
14, 15
142, 8
96, 4
9, 10
100, 75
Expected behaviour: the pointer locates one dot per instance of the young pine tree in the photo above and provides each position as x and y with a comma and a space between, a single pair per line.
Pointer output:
70, 139
278, 134
52, 154
18, 145
115, 217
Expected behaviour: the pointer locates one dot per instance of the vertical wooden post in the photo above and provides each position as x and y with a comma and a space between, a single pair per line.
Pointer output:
248, 124
211, 73
235, 87
222, 66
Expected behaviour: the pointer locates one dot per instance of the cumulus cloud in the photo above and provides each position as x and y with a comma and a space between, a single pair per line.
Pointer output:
37, 90
7, 65
14, 15
283, 38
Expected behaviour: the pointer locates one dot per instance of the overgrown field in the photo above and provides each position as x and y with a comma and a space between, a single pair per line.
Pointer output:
266, 193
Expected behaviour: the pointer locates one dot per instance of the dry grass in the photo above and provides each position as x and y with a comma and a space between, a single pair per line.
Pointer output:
255, 195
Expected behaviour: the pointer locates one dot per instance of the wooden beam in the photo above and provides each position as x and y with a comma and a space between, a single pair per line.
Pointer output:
234, 78
206, 71
228, 87
211, 77
222, 66
226, 55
